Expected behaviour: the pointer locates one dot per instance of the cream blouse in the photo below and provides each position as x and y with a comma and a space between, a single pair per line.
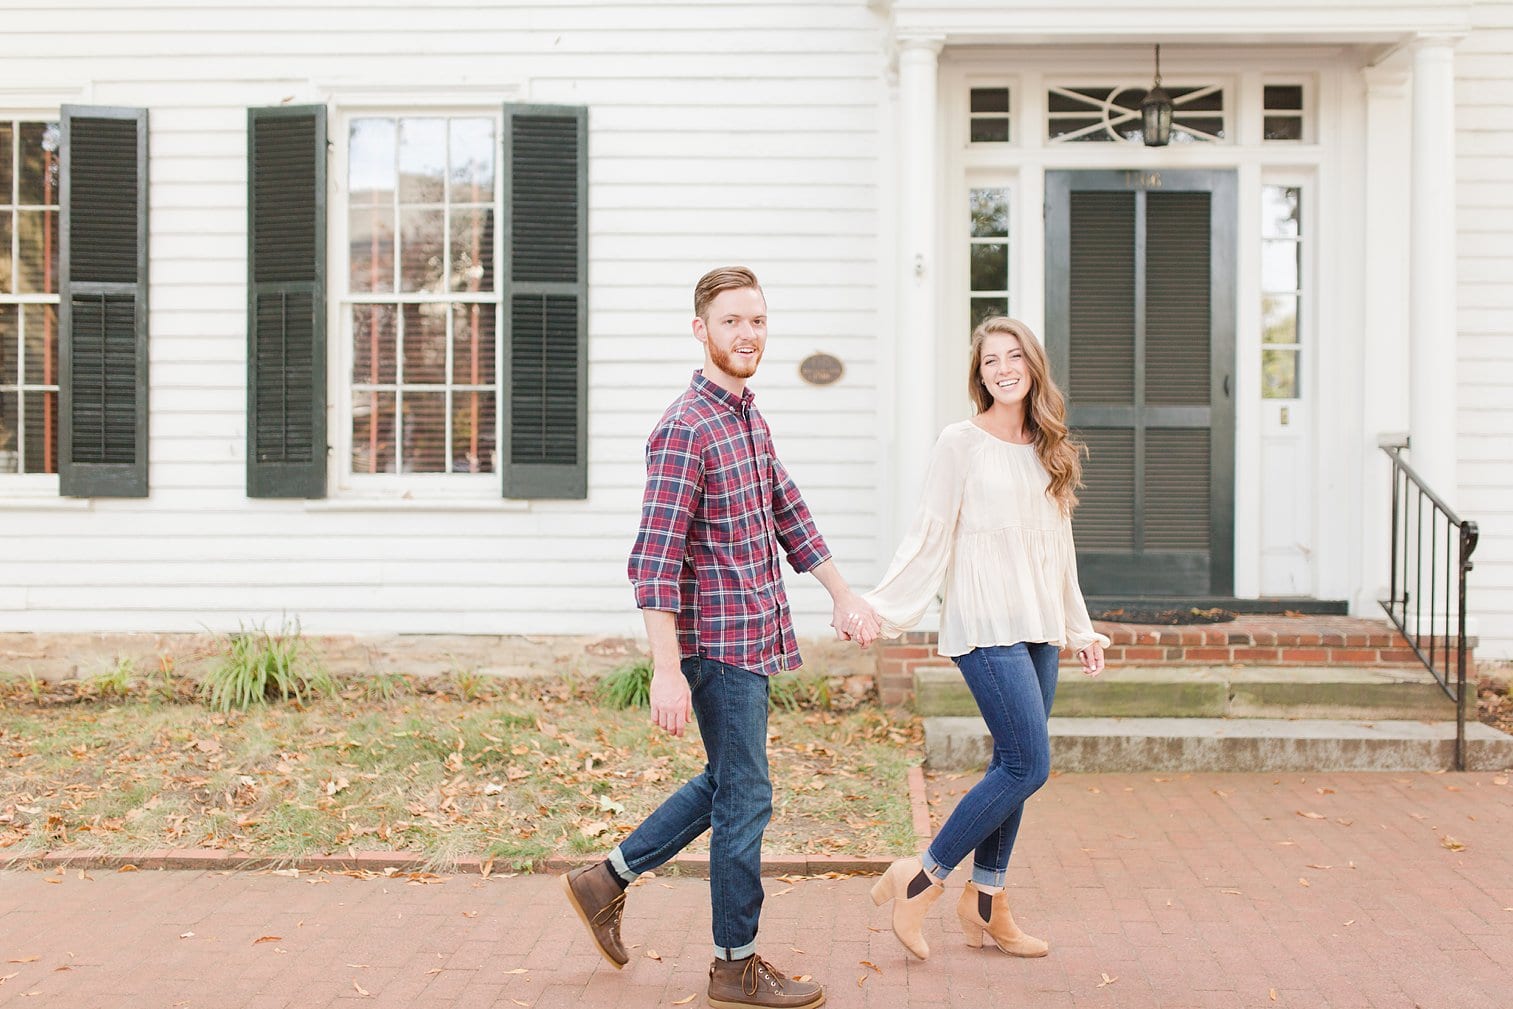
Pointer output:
1002, 547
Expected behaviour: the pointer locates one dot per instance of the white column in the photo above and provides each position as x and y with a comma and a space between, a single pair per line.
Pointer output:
918, 269
1431, 296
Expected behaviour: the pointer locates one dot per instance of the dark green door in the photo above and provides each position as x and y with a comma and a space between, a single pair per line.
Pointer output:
1140, 315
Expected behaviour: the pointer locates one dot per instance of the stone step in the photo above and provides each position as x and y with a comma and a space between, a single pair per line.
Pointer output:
1214, 692
1231, 744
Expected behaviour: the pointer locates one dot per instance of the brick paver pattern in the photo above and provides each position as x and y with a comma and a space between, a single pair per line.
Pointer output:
1172, 891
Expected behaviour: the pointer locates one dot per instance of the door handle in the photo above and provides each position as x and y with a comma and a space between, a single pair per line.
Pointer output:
1226, 386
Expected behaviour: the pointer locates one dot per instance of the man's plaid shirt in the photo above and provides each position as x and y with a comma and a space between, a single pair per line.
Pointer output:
718, 508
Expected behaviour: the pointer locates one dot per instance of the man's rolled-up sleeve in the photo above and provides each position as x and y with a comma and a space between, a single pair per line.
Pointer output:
674, 480
796, 531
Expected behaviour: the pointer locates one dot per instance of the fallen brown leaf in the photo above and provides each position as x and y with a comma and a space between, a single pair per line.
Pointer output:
266, 938
1106, 980
25, 959
869, 963
1303, 881
360, 989
683, 1001
1273, 994
1451, 843
1310, 816
652, 954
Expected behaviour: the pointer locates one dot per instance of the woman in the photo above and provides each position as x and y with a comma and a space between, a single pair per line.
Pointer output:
995, 527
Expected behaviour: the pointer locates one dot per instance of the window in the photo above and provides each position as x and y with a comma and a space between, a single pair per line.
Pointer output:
422, 298
1281, 291
989, 116
1282, 117
29, 213
1112, 114
989, 252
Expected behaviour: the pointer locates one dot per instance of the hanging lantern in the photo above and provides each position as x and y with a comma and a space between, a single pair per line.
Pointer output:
1156, 112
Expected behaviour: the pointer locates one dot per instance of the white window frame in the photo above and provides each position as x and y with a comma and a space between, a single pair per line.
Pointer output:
1226, 84
1308, 114
32, 484
341, 300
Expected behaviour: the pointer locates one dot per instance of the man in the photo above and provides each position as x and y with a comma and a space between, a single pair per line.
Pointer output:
718, 508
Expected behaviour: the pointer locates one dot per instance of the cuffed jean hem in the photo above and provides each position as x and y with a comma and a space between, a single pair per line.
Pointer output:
988, 877
735, 952
617, 863
933, 867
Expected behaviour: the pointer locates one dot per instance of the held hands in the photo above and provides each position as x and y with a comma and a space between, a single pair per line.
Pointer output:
1092, 659
671, 703
854, 620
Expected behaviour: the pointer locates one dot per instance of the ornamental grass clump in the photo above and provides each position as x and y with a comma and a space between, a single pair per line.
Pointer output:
259, 667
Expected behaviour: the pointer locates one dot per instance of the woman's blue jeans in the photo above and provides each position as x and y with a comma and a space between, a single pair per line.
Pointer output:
732, 798
1014, 686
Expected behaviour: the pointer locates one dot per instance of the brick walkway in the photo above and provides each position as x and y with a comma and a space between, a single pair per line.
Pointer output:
1337, 890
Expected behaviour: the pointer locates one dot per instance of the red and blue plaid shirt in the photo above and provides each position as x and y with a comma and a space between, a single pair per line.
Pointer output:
718, 508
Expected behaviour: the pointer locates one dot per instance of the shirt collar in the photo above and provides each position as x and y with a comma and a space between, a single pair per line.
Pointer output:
724, 397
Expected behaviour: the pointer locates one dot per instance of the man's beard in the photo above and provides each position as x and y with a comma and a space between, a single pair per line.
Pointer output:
733, 364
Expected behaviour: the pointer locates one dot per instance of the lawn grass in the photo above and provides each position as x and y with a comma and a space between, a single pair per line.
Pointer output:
515, 769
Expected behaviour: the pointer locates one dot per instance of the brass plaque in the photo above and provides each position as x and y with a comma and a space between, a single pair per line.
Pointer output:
821, 369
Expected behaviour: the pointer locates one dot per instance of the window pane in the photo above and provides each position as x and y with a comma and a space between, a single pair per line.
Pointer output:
41, 454
422, 160
374, 344
41, 366
10, 340
38, 147
425, 344
7, 276
990, 267
473, 432
1282, 128
6, 137
984, 308
38, 267
10, 460
990, 100
990, 131
472, 159
425, 433
1280, 209
1279, 266
472, 250
1279, 319
1279, 374
1284, 97
473, 344
370, 241
990, 212
373, 432
420, 251
370, 162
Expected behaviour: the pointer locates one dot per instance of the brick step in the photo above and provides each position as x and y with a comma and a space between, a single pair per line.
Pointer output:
1096, 745
1213, 692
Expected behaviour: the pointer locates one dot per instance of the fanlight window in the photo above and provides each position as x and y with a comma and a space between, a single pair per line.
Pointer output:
1112, 114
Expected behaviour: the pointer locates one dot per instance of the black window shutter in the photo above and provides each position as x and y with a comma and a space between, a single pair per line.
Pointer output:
102, 294
286, 302
545, 380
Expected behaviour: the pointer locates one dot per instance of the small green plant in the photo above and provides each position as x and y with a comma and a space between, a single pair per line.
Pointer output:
384, 686
628, 686
790, 693
470, 684
164, 684
116, 681
36, 685
259, 667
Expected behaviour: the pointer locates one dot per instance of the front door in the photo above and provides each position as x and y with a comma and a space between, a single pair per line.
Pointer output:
1140, 317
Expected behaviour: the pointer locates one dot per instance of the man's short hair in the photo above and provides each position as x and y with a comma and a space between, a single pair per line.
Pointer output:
726, 278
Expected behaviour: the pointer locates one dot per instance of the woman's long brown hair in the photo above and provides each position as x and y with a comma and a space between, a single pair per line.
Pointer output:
1045, 409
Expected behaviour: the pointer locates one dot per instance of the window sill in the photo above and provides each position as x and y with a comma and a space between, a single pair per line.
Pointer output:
411, 504
42, 501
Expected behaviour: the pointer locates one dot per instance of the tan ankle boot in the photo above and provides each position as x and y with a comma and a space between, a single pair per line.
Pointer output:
908, 912
988, 914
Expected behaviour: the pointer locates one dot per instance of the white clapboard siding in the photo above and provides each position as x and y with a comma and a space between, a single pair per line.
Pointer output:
727, 132
1484, 170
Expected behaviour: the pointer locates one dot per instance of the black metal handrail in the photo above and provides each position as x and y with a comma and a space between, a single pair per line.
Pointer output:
1441, 526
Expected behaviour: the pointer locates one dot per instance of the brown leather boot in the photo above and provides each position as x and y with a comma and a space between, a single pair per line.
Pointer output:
988, 914
908, 912
599, 901
736, 984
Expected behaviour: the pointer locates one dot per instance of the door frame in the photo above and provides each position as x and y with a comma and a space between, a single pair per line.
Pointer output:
1222, 185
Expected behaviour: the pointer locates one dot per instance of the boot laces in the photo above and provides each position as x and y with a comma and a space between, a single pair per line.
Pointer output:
759, 970
610, 913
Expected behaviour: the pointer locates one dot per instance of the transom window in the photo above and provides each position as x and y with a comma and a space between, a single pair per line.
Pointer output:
989, 116
989, 252
1112, 114
1282, 117
422, 296
1282, 291
29, 211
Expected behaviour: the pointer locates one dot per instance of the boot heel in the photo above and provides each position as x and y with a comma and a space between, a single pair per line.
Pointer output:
882, 891
973, 933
